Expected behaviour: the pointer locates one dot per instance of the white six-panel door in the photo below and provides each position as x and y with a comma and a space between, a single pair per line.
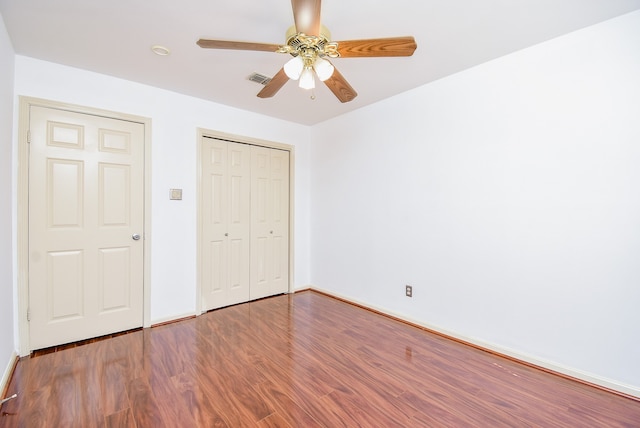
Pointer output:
245, 222
86, 200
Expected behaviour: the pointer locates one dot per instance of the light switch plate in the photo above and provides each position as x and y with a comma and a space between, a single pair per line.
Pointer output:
175, 194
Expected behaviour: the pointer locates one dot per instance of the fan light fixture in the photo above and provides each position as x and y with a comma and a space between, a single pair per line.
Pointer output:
308, 57
299, 68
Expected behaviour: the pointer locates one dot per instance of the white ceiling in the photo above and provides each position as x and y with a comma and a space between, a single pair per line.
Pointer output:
114, 37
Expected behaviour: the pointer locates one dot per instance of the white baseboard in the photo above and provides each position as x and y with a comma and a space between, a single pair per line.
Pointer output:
511, 353
8, 371
173, 318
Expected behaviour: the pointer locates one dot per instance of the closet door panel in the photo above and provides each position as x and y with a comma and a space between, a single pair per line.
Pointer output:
261, 252
270, 222
279, 221
226, 224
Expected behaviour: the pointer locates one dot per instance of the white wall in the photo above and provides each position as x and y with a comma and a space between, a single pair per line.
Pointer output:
507, 195
175, 119
6, 223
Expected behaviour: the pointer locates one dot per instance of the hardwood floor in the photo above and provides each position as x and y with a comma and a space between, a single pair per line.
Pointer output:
303, 360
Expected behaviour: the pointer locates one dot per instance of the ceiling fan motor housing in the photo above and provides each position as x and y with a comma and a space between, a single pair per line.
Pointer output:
310, 46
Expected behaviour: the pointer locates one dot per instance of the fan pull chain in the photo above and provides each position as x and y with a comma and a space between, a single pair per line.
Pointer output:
313, 94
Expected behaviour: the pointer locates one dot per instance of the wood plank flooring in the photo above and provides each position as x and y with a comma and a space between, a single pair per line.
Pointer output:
303, 360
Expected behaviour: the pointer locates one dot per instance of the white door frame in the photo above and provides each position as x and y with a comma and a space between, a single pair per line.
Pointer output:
23, 207
254, 142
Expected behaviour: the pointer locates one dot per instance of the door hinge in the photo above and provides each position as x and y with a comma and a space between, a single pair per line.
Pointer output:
28, 137
28, 315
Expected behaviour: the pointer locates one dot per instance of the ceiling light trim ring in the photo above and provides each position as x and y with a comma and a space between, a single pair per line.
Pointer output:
160, 50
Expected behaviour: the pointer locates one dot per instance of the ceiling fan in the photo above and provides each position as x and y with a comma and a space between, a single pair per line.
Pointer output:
310, 44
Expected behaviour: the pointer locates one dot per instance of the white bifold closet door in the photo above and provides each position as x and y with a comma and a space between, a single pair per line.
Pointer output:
245, 222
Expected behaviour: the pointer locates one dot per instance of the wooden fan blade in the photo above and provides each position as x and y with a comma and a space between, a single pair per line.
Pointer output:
340, 87
242, 46
393, 46
306, 14
277, 82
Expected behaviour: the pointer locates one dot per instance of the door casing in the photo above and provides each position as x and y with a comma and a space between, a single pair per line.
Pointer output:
23, 207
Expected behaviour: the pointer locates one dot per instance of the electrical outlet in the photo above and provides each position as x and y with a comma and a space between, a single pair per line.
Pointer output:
408, 291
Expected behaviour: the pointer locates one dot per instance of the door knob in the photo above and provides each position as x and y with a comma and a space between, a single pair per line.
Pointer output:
135, 236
